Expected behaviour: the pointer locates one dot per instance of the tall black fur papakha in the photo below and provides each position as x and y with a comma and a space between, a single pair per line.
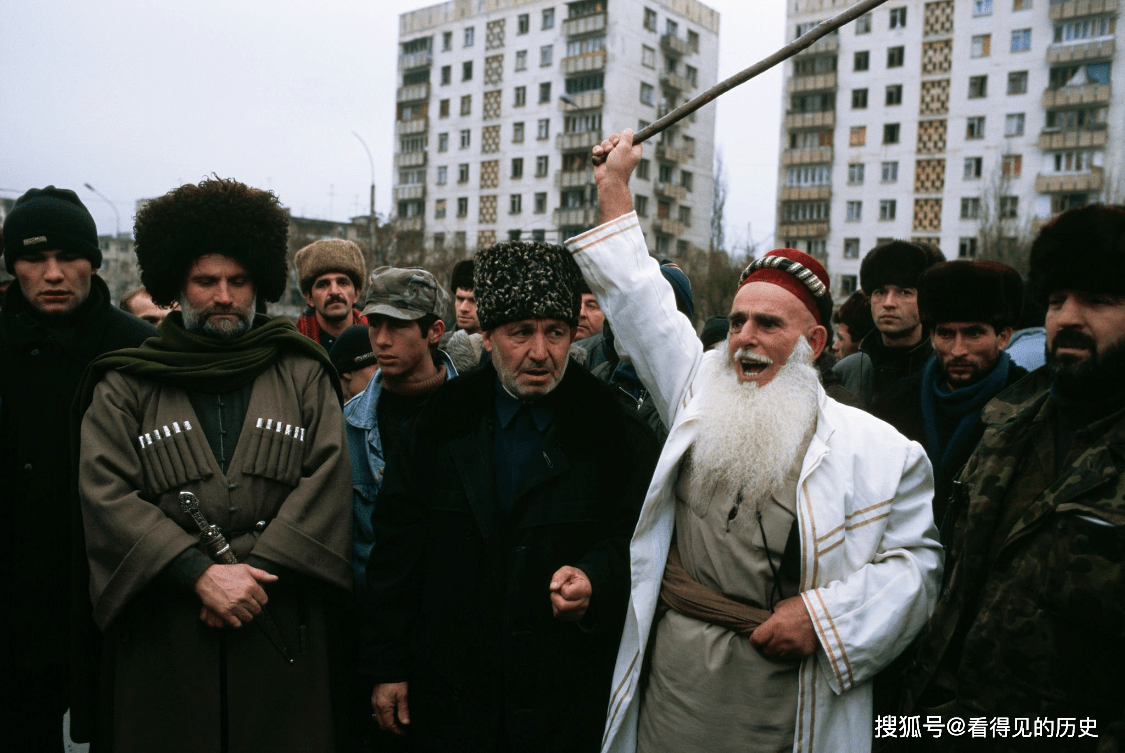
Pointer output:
516, 280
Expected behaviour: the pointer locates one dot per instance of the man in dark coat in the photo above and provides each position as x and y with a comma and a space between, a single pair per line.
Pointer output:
57, 318
499, 580
969, 308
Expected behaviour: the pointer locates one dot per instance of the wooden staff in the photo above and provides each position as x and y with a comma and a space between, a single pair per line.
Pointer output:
805, 40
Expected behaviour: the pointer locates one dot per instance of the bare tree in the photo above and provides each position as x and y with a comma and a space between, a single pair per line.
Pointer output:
1004, 227
718, 203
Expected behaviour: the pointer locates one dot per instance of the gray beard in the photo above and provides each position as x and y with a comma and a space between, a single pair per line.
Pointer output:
751, 436
196, 320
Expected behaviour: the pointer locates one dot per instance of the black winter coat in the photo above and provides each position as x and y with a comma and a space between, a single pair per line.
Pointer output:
458, 595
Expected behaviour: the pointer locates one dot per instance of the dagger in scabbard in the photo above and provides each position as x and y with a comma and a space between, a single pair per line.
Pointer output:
219, 550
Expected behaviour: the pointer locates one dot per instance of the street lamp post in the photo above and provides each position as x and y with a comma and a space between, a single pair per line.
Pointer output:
116, 214
371, 217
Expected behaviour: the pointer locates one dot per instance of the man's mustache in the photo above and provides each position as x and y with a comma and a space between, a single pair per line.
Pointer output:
1070, 338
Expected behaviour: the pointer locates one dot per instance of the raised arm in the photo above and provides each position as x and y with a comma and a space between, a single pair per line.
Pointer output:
612, 175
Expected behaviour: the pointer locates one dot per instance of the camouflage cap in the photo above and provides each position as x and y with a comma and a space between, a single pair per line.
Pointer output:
399, 293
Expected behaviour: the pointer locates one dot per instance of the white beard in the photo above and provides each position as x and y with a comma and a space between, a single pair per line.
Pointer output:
750, 435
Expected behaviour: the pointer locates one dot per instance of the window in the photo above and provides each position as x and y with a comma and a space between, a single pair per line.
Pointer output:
548, 18
1078, 161
515, 203
1021, 5
859, 99
1017, 82
691, 74
463, 172
446, 41
970, 208
574, 199
459, 236
810, 175
803, 211
898, 18
642, 169
517, 133
1013, 124
469, 36
412, 144
848, 285
982, 7
895, 56
863, 24
467, 70
894, 94
442, 175
854, 211
640, 205
521, 96
818, 102
671, 28
467, 104
861, 60
543, 129
857, 136
978, 87
443, 142
541, 202
855, 174
517, 167
685, 216
1011, 165
889, 172
887, 209
523, 24
664, 173
521, 60
587, 83
972, 168
466, 138
439, 239
443, 108
446, 74
890, 133
1087, 28
412, 177
541, 166
1021, 40
686, 180
1009, 206
545, 92
514, 235
981, 46
463, 206
648, 56
439, 210
650, 19
967, 248
1064, 201
648, 94
809, 139
974, 127
1076, 118
546, 55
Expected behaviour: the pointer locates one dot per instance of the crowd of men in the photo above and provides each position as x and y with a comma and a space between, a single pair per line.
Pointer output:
569, 523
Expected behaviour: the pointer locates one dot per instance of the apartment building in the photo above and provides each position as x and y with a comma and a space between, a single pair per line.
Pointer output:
963, 123
500, 102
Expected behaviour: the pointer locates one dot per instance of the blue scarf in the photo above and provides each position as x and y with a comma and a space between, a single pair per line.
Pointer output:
965, 402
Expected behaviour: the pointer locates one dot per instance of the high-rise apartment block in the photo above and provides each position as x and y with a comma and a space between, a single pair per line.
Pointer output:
964, 123
500, 102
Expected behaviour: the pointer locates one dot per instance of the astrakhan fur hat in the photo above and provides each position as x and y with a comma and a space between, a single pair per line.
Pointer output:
218, 216
517, 280
898, 263
1081, 249
971, 291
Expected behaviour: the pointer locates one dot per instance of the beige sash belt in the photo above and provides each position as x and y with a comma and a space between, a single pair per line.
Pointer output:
695, 600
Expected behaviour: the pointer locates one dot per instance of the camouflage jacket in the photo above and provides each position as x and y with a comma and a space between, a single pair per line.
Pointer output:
1031, 621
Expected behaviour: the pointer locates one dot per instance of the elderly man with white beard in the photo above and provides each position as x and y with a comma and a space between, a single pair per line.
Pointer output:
786, 551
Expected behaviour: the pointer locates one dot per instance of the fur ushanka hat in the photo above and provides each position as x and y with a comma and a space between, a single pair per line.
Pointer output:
898, 263
516, 280
331, 255
971, 291
1081, 249
218, 216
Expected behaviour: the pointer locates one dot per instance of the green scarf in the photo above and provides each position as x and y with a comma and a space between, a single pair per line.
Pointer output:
199, 363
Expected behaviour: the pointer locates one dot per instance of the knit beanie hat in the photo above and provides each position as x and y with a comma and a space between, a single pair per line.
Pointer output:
681, 286
47, 219
517, 280
715, 330
352, 350
322, 257
898, 263
1081, 249
797, 272
970, 291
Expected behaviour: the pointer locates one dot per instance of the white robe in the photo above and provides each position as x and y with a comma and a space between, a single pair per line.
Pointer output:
870, 557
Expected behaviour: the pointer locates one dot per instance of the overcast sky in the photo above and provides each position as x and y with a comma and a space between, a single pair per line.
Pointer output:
136, 97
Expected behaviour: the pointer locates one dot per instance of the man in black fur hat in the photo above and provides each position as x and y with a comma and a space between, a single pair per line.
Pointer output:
898, 346
969, 307
58, 317
499, 582
1031, 623
244, 412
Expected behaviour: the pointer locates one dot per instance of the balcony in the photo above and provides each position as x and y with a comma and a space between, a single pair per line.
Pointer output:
584, 63
676, 81
830, 43
817, 82
574, 178
413, 93
672, 154
813, 156
573, 27
1082, 137
1065, 9
669, 226
819, 119
1080, 52
411, 127
406, 193
584, 216
585, 140
672, 191
410, 159
422, 59
410, 224
674, 45
1085, 94
1091, 181
804, 193
815, 229
584, 101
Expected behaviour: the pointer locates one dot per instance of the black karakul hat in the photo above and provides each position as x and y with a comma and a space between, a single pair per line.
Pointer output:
1081, 249
971, 291
516, 280
218, 216
898, 263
